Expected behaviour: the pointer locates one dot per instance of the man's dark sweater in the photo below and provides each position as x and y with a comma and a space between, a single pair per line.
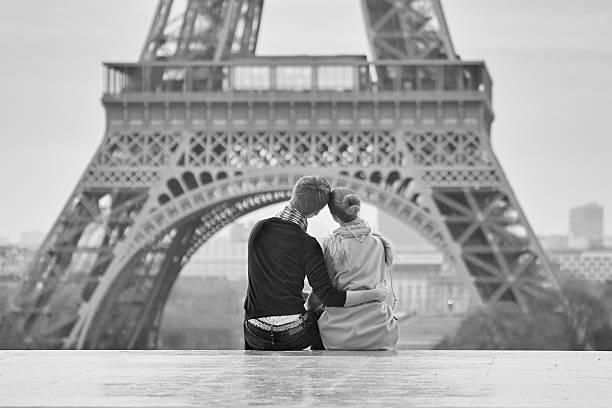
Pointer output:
280, 255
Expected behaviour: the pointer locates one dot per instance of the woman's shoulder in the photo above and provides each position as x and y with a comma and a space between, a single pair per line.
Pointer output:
387, 247
331, 243
327, 240
334, 249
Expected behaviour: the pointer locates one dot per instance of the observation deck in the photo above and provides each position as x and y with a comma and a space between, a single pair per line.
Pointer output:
296, 92
298, 78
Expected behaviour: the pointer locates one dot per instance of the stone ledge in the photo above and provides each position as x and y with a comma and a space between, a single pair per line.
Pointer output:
355, 379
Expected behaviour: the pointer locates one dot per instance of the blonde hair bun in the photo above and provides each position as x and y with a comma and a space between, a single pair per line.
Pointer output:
351, 204
344, 204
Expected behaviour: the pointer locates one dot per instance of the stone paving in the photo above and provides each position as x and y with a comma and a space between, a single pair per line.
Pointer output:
319, 379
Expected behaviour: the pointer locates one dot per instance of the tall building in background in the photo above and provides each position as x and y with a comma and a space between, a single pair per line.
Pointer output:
586, 226
585, 253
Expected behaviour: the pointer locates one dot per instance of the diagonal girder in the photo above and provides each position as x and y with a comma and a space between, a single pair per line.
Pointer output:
202, 30
407, 29
481, 221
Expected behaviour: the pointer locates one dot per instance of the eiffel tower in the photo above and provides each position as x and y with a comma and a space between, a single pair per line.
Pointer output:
202, 131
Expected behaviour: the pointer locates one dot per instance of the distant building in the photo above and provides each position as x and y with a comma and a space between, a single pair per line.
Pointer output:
14, 261
592, 265
586, 226
425, 285
554, 242
586, 253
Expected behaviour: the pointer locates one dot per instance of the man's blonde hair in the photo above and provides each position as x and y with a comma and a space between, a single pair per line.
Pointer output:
310, 194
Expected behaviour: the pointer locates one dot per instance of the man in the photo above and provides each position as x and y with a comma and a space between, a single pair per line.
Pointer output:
280, 255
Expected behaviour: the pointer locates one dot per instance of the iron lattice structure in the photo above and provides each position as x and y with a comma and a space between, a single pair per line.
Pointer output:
201, 132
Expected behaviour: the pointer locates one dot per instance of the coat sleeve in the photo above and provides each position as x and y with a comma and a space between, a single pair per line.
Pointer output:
318, 277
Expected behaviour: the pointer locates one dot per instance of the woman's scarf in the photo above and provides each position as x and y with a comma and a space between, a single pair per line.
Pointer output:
358, 229
336, 248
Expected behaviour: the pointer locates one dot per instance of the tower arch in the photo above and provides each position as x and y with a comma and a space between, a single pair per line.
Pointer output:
181, 226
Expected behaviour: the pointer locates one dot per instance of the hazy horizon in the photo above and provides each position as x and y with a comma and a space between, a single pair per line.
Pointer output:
550, 61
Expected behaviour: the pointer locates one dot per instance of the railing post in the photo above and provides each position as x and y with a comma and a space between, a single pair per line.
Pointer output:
272, 75
488, 82
399, 78
230, 77
188, 80
459, 74
373, 71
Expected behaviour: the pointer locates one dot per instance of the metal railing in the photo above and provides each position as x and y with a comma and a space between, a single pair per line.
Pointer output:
291, 76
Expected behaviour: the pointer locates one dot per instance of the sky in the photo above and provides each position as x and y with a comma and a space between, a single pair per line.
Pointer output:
550, 61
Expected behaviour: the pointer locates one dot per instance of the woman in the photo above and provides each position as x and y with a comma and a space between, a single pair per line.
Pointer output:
356, 259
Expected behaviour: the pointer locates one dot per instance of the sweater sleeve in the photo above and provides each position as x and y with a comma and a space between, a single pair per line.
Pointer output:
317, 275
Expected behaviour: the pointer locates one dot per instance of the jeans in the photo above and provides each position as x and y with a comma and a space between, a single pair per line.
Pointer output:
298, 338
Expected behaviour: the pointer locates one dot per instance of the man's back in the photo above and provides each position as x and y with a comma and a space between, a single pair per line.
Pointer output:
276, 268
281, 255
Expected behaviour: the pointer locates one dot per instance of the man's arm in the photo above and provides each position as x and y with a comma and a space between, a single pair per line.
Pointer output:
358, 297
313, 302
353, 298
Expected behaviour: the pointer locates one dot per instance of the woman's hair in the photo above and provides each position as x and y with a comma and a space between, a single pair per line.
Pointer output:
344, 204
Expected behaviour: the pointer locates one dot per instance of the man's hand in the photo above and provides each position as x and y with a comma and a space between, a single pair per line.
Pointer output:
381, 290
358, 297
313, 302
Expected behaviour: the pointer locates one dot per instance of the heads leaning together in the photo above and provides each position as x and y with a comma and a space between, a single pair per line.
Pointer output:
311, 193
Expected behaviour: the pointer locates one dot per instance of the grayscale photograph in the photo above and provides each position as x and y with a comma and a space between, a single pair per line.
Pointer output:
355, 203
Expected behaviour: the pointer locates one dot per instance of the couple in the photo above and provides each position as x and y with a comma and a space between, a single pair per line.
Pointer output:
347, 309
